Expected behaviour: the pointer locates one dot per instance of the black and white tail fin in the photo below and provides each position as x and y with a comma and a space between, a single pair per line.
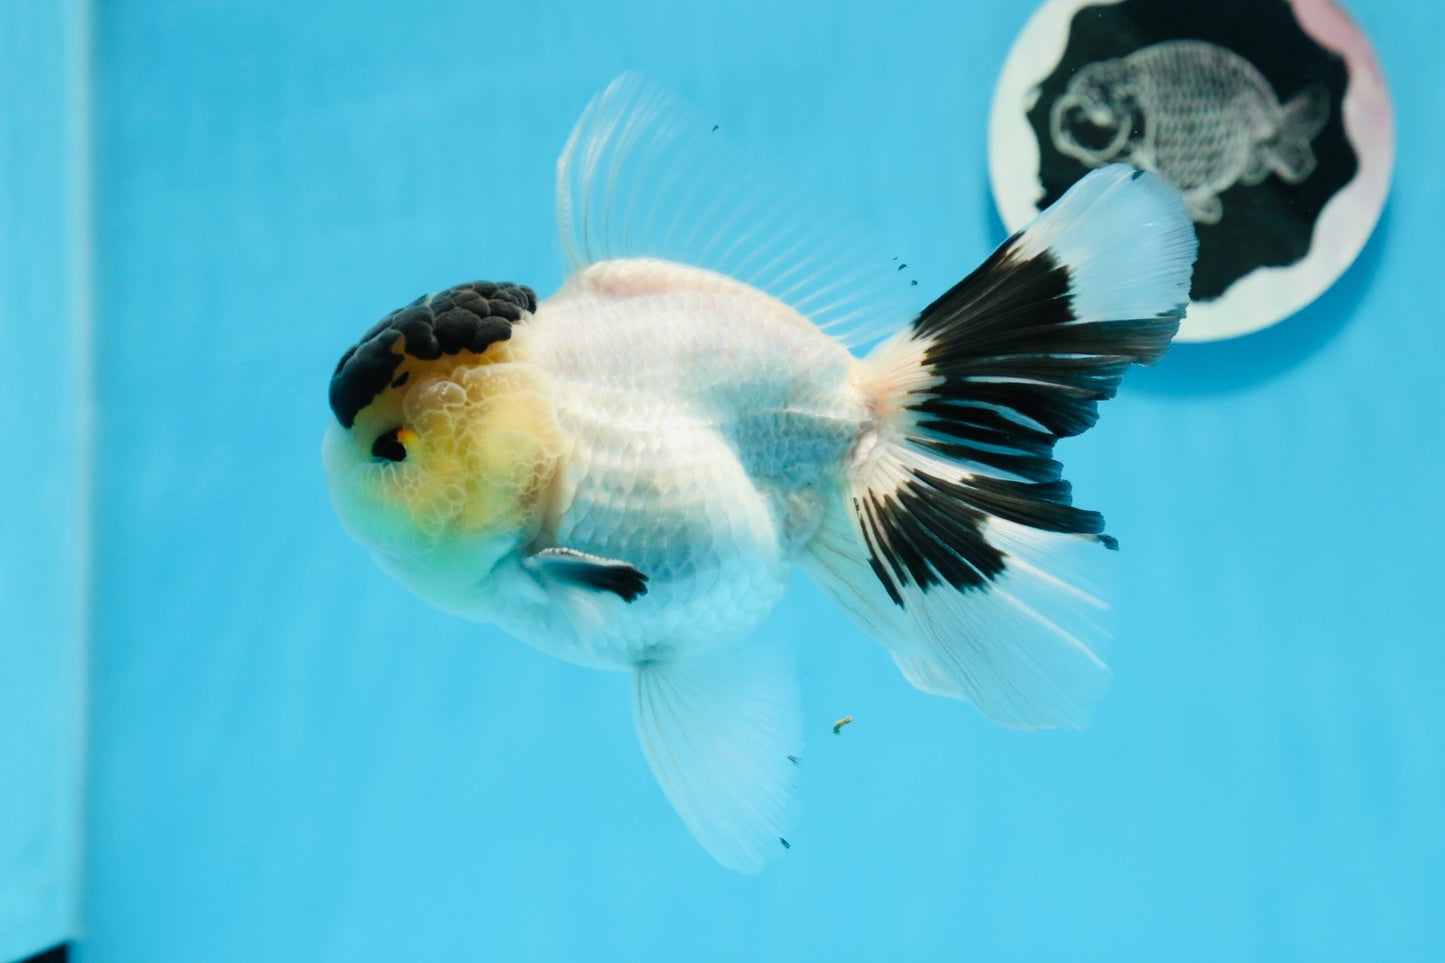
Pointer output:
953, 541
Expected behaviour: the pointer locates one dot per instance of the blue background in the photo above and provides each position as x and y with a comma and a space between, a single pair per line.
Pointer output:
289, 758
44, 466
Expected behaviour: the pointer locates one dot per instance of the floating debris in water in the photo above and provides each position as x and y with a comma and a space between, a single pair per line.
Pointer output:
786, 844
838, 726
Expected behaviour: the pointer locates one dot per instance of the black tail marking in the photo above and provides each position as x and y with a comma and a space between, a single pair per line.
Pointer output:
1017, 369
931, 530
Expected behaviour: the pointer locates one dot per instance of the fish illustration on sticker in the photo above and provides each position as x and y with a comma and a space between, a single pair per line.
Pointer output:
1271, 117
1198, 115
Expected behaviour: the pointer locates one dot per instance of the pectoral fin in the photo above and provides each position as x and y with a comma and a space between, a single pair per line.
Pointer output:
571, 567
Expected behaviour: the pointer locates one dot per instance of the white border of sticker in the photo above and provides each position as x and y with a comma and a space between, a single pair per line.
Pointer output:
1266, 295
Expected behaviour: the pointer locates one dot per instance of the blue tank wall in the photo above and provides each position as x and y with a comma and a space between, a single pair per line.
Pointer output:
291, 759
43, 454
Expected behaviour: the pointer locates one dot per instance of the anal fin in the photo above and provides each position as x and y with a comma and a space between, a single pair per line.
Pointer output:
722, 732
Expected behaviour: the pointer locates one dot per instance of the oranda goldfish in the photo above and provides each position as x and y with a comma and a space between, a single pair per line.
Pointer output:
624, 474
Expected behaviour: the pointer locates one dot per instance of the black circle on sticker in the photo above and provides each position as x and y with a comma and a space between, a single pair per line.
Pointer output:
1250, 212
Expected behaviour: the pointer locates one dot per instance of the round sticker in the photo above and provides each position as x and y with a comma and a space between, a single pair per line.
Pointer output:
1271, 117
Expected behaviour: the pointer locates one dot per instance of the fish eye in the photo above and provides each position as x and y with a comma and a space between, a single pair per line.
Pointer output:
389, 446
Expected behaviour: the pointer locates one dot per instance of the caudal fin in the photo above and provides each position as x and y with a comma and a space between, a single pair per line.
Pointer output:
953, 543
1290, 154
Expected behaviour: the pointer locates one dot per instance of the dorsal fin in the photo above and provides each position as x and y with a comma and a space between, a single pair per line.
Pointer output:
645, 175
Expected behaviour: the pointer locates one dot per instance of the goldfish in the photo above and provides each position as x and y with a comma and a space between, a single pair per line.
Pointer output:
1197, 114
624, 474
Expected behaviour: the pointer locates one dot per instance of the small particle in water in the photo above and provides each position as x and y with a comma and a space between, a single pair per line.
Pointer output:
786, 844
838, 726
913, 284
793, 760
902, 266
714, 126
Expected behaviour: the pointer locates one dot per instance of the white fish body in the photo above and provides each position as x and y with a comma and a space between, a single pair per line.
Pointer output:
705, 425
625, 474
706, 420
